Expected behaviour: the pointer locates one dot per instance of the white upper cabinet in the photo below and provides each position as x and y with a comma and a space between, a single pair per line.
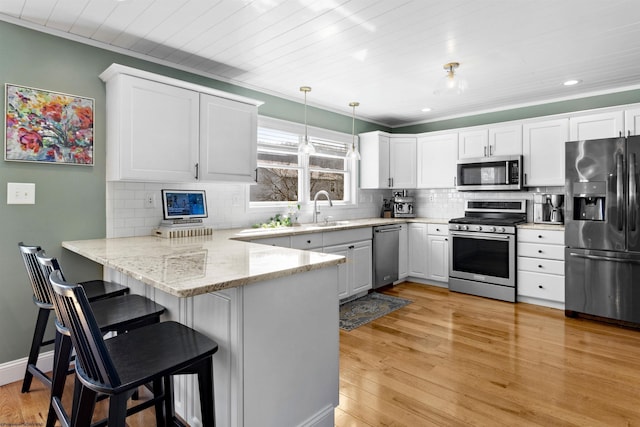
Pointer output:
473, 143
387, 161
152, 131
543, 146
402, 162
632, 122
228, 140
492, 141
374, 163
437, 157
166, 130
596, 126
505, 140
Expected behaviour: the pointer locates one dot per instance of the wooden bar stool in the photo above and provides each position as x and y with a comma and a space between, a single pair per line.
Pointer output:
118, 365
118, 314
95, 289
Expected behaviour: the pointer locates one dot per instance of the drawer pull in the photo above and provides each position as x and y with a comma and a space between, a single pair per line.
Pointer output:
539, 266
539, 236
539, 251
309, 241
540, 286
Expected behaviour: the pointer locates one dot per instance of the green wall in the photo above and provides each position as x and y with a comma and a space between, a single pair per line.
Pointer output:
599, 101
70, 200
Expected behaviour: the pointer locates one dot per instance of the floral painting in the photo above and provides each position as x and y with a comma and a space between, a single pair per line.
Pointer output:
44, 126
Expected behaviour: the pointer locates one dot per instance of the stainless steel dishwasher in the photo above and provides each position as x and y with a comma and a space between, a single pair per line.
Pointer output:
385, 254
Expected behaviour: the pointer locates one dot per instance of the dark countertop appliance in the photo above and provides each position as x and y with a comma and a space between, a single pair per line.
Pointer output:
403, 205
482, 253
602, 229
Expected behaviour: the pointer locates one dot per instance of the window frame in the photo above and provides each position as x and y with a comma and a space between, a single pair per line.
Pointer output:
350, 170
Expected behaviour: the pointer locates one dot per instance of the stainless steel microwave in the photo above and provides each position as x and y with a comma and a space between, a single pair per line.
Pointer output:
495, 173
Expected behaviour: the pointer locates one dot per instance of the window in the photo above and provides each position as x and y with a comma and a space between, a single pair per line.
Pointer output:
284, 175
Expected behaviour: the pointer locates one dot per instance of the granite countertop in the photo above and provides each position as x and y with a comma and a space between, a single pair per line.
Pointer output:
189, 266
260, 233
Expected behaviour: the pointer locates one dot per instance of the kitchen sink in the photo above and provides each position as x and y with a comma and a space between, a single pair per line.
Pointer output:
330, 223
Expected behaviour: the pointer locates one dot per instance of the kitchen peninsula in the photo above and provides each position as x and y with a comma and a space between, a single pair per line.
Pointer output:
273, 312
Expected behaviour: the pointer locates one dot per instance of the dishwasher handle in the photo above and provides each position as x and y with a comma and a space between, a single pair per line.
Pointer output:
387, 230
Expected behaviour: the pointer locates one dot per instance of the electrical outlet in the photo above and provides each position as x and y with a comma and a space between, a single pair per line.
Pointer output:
432, 197
149, 200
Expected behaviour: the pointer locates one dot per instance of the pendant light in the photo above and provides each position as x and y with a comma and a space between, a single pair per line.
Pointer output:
353, 152
306, 146
451, 84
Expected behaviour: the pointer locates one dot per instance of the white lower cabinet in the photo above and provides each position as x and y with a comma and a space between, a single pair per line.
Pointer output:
418, 250
403, 252
356, 275
438, 252
541, 267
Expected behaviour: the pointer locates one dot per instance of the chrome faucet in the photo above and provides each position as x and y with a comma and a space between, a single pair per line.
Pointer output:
315, 204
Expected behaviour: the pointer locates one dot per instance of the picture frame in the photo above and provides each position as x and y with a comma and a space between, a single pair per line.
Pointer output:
48, 126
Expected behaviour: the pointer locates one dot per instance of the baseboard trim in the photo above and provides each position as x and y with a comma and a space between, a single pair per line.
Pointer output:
14, 370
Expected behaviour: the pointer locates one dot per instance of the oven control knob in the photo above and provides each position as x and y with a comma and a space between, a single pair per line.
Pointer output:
492, 229
464, 227
479, 228
501, 230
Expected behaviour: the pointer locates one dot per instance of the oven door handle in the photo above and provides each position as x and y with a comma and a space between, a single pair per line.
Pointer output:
483, 236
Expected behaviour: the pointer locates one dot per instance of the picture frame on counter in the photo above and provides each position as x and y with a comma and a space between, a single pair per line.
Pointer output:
48, 126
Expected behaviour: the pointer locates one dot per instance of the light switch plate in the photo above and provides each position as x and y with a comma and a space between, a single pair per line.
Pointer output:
21, 193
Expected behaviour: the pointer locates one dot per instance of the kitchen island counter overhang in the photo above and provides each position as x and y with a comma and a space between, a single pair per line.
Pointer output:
273, 312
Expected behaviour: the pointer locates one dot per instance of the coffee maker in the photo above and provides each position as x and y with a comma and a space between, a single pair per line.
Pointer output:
548, 208
402, 205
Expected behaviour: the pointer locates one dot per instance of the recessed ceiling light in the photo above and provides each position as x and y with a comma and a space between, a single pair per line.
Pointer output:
426, 109
572, 82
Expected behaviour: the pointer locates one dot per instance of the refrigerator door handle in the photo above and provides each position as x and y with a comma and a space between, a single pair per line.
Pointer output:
619, 189
604, 258
633, 188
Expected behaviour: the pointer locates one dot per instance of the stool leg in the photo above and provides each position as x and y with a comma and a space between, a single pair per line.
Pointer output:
205, 386
159, 407
62, 355
168, 400
83, 407
117, 410
36, 342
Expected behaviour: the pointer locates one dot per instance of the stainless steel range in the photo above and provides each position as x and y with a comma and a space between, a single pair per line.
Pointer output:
482, 253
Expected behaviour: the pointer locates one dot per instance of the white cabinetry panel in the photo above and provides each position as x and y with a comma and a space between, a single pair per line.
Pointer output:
437, 157
595, 126
544, 152
152, 131
228, 140
402, 162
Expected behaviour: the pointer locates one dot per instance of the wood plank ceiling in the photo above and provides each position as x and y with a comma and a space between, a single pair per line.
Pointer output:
386, 54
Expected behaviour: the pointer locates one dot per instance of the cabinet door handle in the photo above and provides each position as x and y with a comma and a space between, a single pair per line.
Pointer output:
197, 170
525, 179
490, 150
352, 247
256, 180
485, 151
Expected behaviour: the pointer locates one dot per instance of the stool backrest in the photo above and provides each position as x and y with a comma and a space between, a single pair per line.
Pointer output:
74, 312
39, 281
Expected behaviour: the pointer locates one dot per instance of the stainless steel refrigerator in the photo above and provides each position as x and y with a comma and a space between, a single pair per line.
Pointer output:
602, 229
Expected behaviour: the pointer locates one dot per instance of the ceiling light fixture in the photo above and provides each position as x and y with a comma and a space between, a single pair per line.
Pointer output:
306, 146
571, 82
353, 152
451, 84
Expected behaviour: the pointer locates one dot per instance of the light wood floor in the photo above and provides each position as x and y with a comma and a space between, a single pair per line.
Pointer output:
451, 359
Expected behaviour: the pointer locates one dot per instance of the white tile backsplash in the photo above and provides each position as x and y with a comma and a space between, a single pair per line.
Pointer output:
228, 206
